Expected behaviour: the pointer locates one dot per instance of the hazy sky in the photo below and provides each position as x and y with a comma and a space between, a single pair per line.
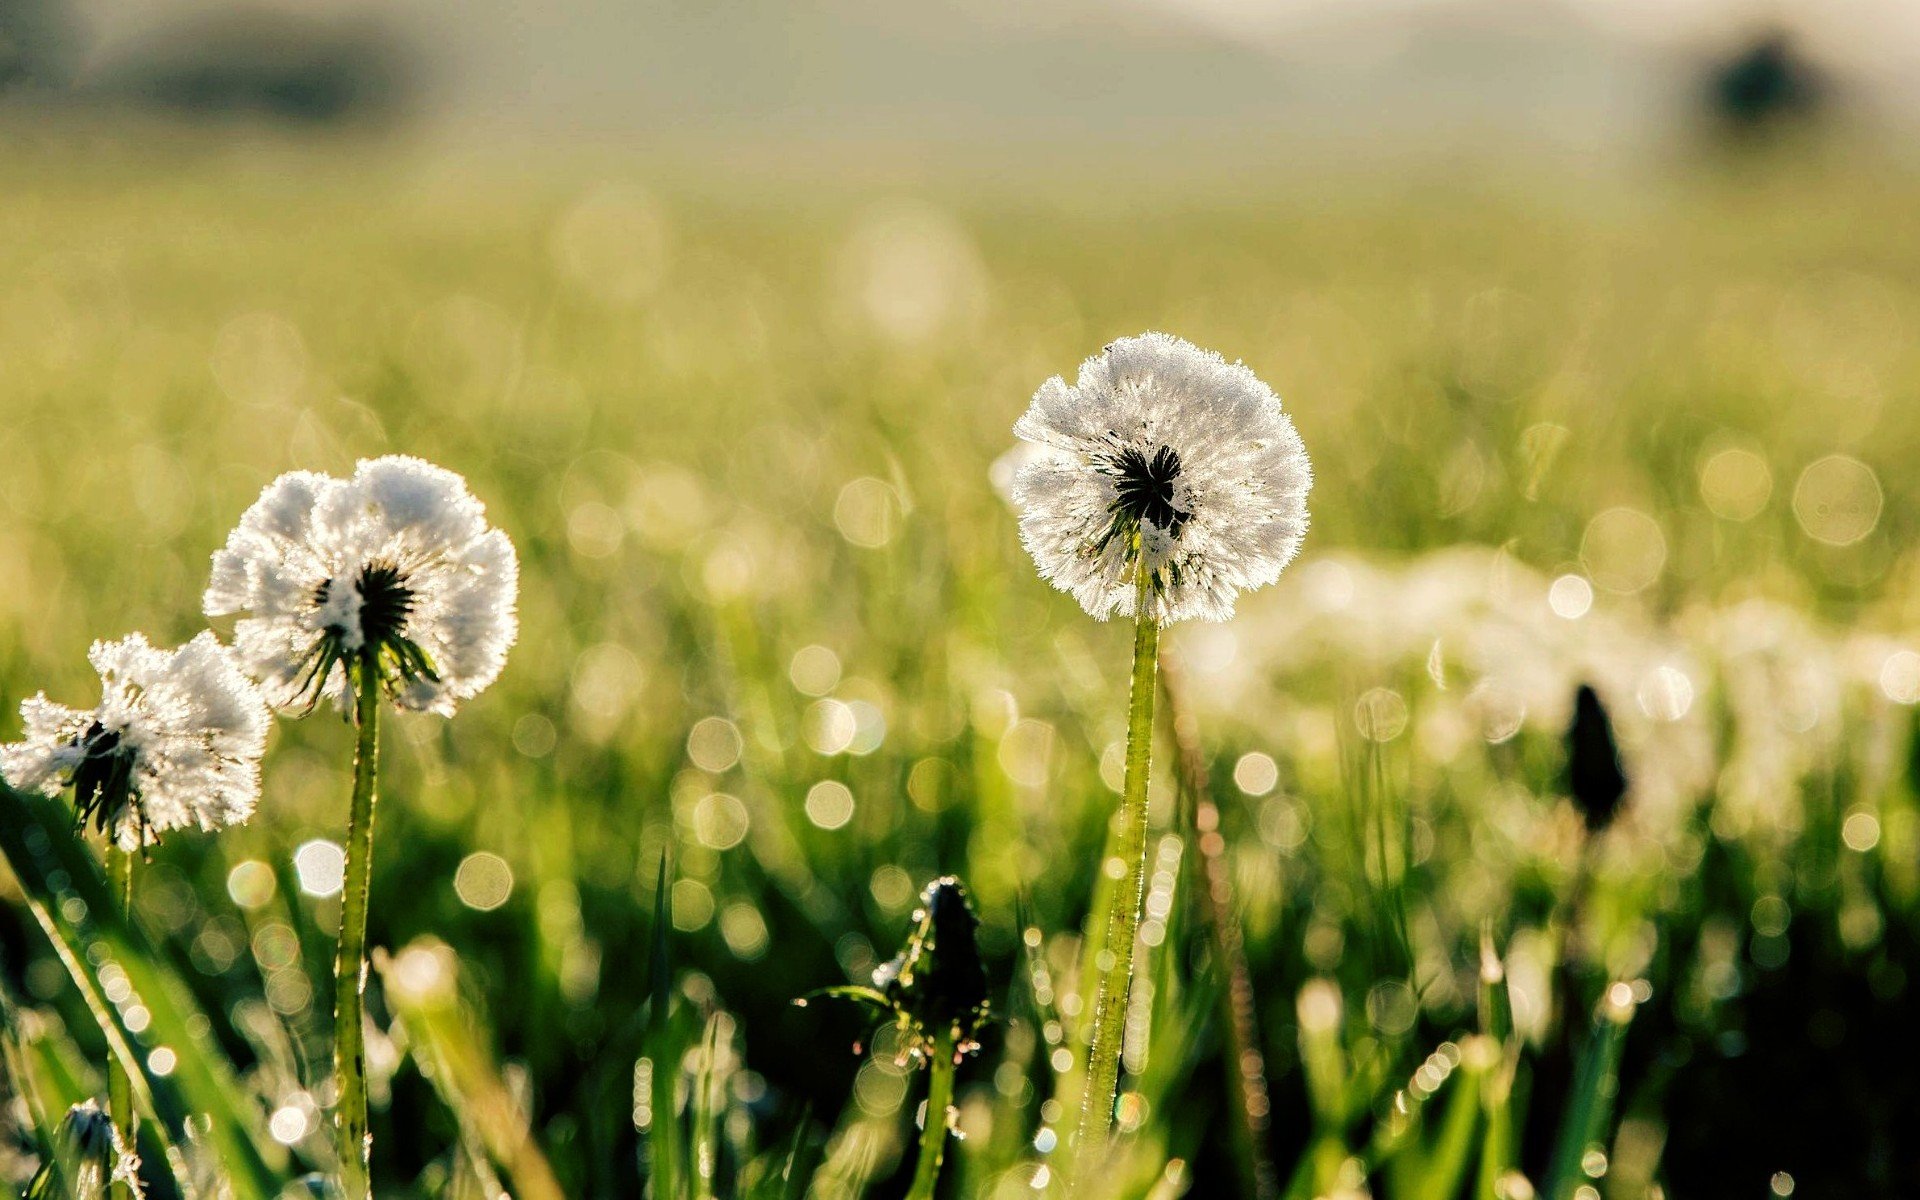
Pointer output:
1052, 67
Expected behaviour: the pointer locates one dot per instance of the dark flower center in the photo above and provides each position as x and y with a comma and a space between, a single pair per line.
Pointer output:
1146, 486
385, 603
1143, 485
386, 606
937, 984
103, 787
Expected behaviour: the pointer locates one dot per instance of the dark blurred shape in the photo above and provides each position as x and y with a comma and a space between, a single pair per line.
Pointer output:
273, 64
937, 984
36, 43
1594, 777
1764, 84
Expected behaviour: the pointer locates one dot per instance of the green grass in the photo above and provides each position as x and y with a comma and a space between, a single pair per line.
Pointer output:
726, 418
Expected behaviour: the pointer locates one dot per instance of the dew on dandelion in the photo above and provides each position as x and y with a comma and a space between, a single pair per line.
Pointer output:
1256, 774
720, 821
892, 888
1570, 597
1860, 831
613, 244
483, 881
534, 736
814, 670
829, 804
692, 905
714, 744
910, 272
1026, 751
1900, 677
744, 930
869, 727
867, 512
275, 945
607, 679
321, 867
930, 784
288, 1124
1837, 500
1623, 550
1735, 484
595, 530
251, 884
1380, 715
259, 358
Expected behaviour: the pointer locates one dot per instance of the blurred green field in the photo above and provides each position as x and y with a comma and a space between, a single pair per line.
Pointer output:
743, 429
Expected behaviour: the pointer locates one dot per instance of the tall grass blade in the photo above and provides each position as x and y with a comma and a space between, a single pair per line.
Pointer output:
69, 900
1590, 1104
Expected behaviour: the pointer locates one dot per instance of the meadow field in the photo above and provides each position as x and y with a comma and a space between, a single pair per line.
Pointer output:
1652, 431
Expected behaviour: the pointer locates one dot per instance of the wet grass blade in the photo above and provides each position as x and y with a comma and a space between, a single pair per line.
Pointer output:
662, 1051
69, 900
1590, 1104
422, 986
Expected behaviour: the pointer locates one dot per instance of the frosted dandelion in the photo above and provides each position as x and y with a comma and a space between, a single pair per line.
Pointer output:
1168, 482
174, 743
391, 584
1167, 461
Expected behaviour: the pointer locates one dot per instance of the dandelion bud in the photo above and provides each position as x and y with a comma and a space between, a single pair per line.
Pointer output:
88, 1157
1594, 777
937, 985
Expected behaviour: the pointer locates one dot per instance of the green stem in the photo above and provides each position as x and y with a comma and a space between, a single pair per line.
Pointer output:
119, 1086
1129, 863
933, 1131
350, 964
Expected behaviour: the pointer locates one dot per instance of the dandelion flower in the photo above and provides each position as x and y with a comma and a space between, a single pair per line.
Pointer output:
89, 1157
395, 567
174, 742
1165, 450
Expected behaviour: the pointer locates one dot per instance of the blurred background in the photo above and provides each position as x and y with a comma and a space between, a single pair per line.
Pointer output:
1600, 318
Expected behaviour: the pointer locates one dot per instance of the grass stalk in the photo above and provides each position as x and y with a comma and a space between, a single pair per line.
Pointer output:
1129, 864
933, 1130
119, 1084
1246, 1063
350, 964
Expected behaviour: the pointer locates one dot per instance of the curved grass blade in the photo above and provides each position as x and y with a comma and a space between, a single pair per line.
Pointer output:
69, 900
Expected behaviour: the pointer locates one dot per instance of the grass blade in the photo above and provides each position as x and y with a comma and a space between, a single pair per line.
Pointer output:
69, 900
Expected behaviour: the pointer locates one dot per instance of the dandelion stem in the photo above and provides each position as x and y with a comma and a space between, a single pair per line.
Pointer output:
119, 1086
1129, 863
349, 966
933, 1130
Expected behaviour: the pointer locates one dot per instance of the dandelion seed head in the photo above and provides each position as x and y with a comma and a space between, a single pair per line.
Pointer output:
396, 566
1165, 452
175, 742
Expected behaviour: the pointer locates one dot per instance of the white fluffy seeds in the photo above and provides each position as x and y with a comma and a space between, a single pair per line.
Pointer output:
397, 565
1165, 450
174, 742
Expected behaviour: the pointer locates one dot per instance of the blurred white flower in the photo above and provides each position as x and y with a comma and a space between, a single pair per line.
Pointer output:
1163, 449
395, 569
175, 742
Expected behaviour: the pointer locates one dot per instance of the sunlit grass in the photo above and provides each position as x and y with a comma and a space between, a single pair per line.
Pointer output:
744, 436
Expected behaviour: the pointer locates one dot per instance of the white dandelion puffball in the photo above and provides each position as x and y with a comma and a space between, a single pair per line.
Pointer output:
175, 742
395, 569
1165, 450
